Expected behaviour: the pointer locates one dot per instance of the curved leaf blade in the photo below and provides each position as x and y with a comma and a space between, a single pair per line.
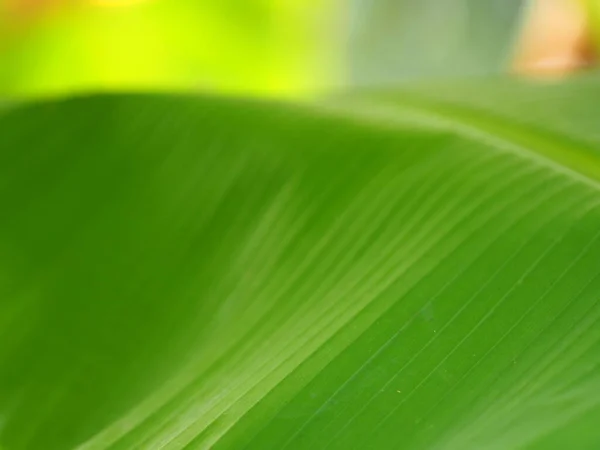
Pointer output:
329, 279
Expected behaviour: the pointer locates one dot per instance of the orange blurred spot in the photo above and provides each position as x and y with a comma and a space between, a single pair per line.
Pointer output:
554, 41
23, 10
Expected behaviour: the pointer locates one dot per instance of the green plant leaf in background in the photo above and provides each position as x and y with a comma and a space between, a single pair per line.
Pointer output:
265, 47
259, 47
399, 40
378, 271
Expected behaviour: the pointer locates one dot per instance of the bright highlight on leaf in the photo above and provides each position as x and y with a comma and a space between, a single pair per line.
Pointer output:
412, 269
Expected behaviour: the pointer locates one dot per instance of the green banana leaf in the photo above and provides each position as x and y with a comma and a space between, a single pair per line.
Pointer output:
412, 269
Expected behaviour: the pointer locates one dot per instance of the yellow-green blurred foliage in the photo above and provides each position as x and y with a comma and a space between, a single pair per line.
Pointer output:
266, 47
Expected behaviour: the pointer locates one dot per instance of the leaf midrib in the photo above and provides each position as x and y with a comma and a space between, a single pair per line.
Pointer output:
562, 153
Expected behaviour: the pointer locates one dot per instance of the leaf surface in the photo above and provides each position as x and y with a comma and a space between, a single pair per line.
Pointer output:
398, 269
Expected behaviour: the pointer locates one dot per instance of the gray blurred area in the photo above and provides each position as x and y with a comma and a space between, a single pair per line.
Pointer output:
387, 42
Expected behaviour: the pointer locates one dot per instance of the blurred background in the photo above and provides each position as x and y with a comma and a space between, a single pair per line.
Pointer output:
284, 48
